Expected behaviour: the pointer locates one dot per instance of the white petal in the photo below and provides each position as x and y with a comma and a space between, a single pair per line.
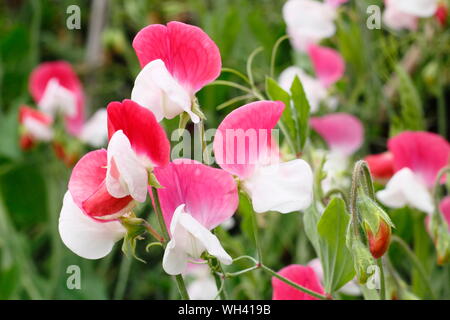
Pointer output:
37, 129
314, 90
202, 289
126, 175
95, 130
406, 189
156, 89
189, 240
283, 187
398, 20
57, 98
419, 8
308, 21
83, 235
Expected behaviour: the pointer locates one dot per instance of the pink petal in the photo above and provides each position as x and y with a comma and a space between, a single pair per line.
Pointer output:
343, 132
335, 3
27, 112
63, 72
328, 64
444, 206
302, 275
425, 153
146, 135
210, 194
381, 165
187, 51
88, 189
244, 136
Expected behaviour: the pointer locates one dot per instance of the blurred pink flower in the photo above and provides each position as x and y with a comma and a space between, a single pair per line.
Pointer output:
328, 64
36, 126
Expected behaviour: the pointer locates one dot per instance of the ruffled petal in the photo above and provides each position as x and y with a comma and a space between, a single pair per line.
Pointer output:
88, 189
156, 89
188, 52
210, 194
86, 237
425, 153
301, 275
148, 139
190, 239
283, 187
244, 138
406, 189
125, 174
63, 73
328, 64
343, 132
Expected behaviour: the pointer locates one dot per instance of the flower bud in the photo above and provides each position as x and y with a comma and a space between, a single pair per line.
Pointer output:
363, 261
379, 243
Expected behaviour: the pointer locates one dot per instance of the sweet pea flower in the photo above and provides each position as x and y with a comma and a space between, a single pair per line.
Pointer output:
137, 145
57, 90
194, 200
95, 130
329, 67
381, 165
36, 126
244, 146
203, 285
350, 288
177, 61
344, 134
308, 21
301, 275
404, 14
418, 157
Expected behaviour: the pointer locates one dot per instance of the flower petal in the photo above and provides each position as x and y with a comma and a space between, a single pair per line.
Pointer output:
328, 64
419, 8
190, 239
244, 137
66, 77
95, 130
146, 135
85, 236
210, 194
302, 275
381, 165
398, 20
283, 187
37, 124
158, 91
88, 189
343, 132
406, 189
189, 54
425, 153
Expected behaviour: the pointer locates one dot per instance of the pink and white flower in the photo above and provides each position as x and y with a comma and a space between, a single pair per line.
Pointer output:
244, 146
194, 200
308, 21
301, 275
177, 61
36, 126
57, 90
404, 14
344, 134
329, 67
418, 157
95, 129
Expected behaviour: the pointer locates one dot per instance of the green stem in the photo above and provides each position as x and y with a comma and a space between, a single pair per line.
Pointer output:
382, 280
124, 273
274, 54
220, 283
256, 235
293, 284
178, 278
415, 261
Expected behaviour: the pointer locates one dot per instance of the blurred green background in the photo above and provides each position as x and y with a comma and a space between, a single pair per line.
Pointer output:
33, 260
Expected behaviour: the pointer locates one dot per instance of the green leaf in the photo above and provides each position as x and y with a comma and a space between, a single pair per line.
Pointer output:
275, 92
302, 108
335, 257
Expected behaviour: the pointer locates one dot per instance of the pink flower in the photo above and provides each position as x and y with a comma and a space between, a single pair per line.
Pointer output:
104, 185
36, 126
418, 157
335, 3
381, 165
301, 275
244, 146
194, 199
56, 89
418, 8
342, 132
177, 61
398, 19
328, 64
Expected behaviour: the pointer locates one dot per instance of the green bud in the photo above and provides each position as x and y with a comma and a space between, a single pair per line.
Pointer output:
363, 261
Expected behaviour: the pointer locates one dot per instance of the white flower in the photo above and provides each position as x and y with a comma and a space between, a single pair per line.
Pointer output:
418, 8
